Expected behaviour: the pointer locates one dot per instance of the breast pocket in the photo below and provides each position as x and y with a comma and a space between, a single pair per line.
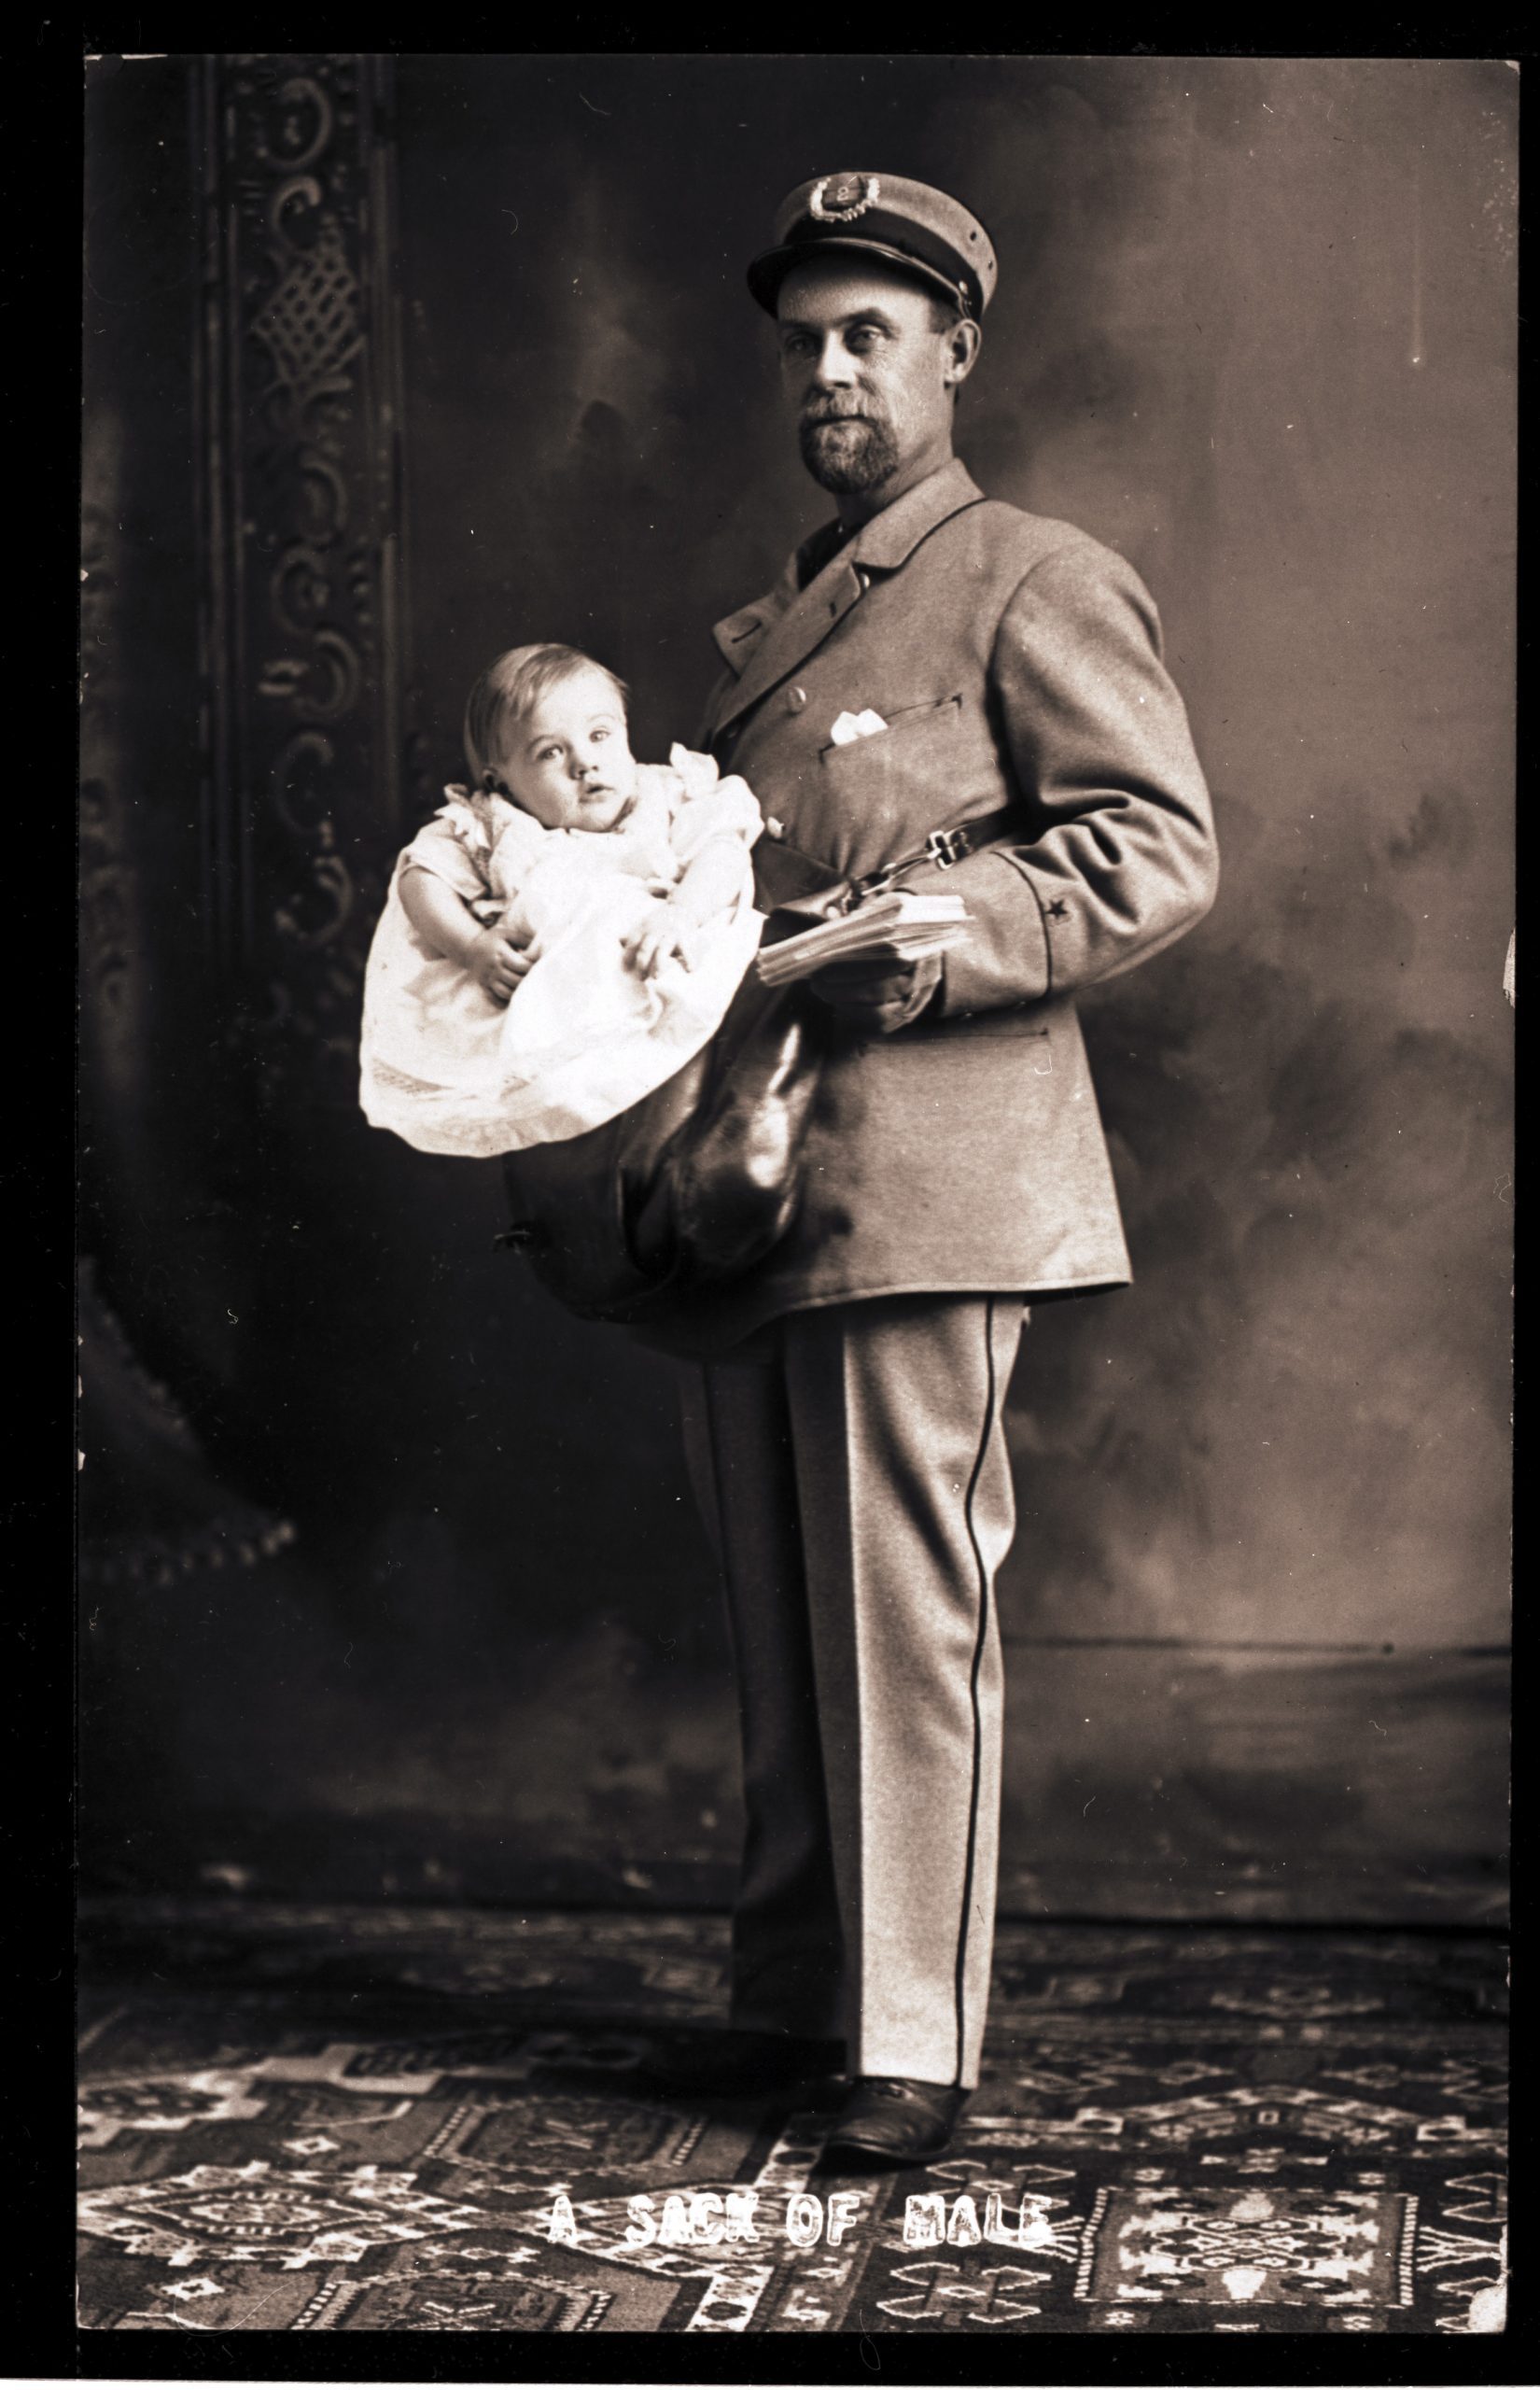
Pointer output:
885, 792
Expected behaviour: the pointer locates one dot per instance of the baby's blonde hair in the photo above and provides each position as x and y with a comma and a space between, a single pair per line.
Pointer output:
508, 692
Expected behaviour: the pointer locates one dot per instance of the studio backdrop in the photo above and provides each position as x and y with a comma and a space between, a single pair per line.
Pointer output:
390, 1576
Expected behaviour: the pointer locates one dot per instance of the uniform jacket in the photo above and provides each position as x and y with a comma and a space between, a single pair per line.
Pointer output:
1014, 660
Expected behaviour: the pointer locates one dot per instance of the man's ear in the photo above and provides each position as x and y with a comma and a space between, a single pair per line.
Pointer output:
962, 346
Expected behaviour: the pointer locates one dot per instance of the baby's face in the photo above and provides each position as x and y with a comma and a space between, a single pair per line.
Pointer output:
569, 763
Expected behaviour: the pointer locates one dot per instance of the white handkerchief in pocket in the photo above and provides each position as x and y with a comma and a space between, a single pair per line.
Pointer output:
850, 727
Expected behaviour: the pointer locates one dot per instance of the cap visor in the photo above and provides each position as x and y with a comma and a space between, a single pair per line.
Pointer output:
768, 272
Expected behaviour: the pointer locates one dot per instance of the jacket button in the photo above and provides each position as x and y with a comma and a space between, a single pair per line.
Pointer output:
795, 700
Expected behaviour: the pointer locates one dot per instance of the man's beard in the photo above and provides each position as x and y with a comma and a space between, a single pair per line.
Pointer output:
847, 454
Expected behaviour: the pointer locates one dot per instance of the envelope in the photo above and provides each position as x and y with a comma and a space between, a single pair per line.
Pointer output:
900, 924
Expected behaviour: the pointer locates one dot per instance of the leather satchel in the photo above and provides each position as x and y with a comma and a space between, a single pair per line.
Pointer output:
691, 1185
695, 1184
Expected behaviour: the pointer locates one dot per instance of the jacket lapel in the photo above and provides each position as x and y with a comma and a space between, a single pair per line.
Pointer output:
765, 641
795, 634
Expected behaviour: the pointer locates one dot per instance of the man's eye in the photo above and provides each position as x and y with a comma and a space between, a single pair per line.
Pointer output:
598, 735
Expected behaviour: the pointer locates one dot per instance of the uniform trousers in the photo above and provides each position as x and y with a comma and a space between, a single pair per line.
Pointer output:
855, 1482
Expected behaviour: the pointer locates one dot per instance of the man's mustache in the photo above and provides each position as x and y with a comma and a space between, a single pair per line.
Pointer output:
837, 415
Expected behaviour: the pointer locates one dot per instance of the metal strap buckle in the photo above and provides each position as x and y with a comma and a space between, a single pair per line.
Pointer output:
944, 848
868, 885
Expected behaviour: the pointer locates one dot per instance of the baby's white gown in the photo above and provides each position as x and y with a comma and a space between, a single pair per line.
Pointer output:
584, 1035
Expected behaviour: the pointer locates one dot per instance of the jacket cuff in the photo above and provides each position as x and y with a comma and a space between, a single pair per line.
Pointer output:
1006, 957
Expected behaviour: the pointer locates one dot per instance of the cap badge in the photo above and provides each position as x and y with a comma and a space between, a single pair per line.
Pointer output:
839, 199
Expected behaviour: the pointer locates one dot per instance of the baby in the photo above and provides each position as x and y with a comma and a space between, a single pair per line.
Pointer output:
566, 933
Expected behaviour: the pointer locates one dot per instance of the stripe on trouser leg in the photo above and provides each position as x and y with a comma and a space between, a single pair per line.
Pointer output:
987, 1430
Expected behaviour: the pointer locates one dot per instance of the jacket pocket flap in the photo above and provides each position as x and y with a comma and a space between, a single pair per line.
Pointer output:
931, 717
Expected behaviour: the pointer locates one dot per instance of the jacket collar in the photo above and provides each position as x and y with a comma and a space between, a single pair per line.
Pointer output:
892, 536
765, 641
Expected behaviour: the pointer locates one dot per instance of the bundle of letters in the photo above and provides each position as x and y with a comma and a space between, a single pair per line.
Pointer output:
897, 926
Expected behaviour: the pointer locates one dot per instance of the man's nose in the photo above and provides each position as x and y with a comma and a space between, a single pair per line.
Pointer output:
834, 369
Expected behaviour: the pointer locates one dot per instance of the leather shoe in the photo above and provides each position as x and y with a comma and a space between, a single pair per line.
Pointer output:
892, 2121
732, 2065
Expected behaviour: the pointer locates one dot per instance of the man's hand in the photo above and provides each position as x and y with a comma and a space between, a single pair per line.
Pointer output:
878, 994
495, 964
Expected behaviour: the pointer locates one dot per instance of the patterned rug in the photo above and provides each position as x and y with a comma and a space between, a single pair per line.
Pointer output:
330, 2119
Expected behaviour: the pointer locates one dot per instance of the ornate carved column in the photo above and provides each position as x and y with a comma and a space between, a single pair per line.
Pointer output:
300, 533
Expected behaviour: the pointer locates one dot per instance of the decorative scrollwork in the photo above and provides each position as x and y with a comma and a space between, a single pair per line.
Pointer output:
312, 322
304, 692
337, 664
293, 207
283, 138
323, 494
300, 590
299, 801
321, 686
331, 882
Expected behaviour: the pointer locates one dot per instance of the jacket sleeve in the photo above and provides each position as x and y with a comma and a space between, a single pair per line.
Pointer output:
1121, 857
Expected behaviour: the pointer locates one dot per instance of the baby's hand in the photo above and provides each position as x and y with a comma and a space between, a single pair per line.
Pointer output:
668, 940
496, 965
